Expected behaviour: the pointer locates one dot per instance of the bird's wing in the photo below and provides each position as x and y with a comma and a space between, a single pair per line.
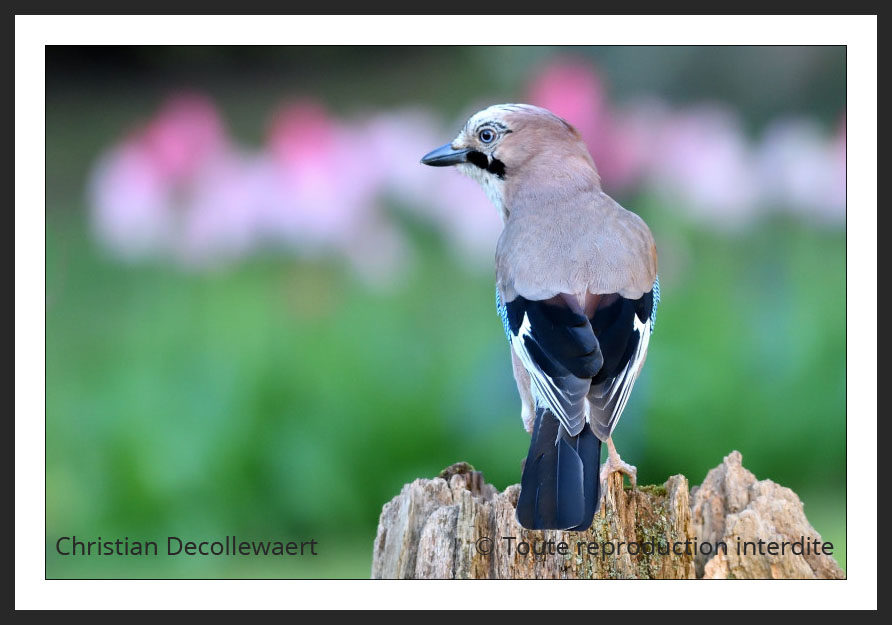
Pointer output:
623, 327
558, 348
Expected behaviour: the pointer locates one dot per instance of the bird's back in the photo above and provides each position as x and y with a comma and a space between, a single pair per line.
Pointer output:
582, 243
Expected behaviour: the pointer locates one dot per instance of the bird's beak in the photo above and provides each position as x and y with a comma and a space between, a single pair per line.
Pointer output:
445, 155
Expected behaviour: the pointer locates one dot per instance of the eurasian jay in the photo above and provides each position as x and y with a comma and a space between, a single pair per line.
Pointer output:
577, 291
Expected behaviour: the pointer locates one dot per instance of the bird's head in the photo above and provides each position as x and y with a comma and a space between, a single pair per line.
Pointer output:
510, 146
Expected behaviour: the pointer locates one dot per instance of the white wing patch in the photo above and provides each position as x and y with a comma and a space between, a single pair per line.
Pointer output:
545, 392
610, 398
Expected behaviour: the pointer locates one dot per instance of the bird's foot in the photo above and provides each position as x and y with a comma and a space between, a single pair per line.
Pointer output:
615, 464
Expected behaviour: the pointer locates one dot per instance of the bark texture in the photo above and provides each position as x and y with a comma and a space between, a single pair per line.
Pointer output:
732, 504
456, 526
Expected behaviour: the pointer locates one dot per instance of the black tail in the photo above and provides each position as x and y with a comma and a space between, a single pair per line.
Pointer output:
560, 487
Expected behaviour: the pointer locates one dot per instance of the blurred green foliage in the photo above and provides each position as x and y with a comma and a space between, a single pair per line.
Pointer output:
282, 399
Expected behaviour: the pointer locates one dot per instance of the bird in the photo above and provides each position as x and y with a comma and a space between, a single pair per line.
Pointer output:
577, 291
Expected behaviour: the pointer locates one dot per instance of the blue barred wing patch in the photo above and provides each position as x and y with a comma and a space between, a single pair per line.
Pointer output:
503, 314
653, 314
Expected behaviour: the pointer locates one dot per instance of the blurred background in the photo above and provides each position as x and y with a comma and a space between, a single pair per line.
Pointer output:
264, 316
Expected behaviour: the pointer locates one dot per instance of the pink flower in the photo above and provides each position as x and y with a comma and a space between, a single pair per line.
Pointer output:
839, 149
137, 189
326, 190
703, 160
130, 203
185, 133
573, 90
803, 169
302, 134
221, 219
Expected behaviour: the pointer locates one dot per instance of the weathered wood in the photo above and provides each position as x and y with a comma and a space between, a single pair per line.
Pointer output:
732, 504
456, 526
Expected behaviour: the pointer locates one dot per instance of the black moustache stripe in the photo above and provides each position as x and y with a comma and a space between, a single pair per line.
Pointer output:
495, 167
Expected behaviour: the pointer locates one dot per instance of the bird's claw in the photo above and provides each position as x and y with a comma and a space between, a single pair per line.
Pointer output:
616, 465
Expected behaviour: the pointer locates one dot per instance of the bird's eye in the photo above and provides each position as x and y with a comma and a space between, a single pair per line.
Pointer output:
487, 135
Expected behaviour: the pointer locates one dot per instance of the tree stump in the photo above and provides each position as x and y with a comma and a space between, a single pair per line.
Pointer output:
456, 526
